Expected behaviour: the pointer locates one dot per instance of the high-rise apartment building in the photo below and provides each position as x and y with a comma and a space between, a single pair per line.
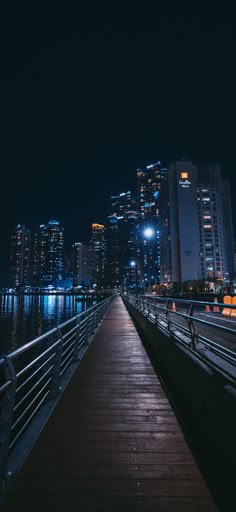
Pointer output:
81, 264
99, 254
149, 184
122, 204
149, 180
48, 254
20, 256
196, 224
121, 238
215, 217
211, 250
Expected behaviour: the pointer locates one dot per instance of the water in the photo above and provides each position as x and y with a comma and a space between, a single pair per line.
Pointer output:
24, 317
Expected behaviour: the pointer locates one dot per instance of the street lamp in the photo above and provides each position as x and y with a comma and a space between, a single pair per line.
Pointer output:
134, 266
148, 233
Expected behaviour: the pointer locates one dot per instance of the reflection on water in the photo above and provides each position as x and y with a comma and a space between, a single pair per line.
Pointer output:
23, 317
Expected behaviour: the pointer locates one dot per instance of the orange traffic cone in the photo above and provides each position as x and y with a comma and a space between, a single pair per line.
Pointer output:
233, 311
227, 300
173, 307
207, 309
216, 309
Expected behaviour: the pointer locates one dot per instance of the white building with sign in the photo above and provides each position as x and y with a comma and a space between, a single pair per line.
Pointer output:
196, 224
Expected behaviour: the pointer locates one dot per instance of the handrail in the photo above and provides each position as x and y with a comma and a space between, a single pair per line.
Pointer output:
184, 327
183, 301
32, 378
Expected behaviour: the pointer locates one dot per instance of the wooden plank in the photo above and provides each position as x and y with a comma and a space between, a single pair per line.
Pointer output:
113, 442
118, 457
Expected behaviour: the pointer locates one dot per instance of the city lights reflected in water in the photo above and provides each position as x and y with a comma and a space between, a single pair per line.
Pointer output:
23, 317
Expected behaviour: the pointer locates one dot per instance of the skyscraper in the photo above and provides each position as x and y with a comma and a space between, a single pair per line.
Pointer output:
81, 264
215, 214
48, 254
121, 238
98, 257
20, 256
149, 184
196, 224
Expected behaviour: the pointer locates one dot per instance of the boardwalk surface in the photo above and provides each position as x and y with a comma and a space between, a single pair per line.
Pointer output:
113, 442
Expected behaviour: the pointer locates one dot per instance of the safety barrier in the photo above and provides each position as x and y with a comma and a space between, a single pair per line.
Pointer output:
189, 350
227, 300
32, 379
216, 309
180, 318
233, 311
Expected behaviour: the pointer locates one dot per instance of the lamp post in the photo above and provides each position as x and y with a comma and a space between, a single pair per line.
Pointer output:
133, 265
148, 234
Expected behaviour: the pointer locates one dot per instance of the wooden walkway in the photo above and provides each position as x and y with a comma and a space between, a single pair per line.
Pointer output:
113, 443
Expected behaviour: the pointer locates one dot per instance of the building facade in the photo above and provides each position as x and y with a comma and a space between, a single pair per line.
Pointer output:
98, 248
121, 239
48, 255
196, 224
20, 257
81, 264
149, 185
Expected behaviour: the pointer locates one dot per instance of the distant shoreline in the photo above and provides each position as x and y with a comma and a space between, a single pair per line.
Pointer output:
44, 293
90, 295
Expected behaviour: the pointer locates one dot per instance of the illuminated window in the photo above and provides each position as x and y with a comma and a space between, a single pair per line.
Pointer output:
184, 175
207, 216
207, 226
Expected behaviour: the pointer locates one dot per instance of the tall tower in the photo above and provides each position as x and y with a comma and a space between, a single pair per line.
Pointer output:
20, 256
149, 185
121, 236
48, 254
196, 224
81, 264
215, 219
98, 257
179, 223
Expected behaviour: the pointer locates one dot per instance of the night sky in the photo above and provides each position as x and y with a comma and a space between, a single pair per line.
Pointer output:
80, 111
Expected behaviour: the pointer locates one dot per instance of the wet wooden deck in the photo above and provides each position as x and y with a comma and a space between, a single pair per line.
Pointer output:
113, 442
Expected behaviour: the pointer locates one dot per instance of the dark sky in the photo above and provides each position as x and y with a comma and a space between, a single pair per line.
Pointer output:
80, 111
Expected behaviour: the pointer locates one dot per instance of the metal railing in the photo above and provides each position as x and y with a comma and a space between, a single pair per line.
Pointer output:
209, 340
31, 381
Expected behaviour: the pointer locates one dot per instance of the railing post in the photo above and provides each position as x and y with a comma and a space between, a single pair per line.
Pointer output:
192, 329
96, 317
76, 347
156, 311
168, 316
94, 320
86, 336
55, 387
6, 422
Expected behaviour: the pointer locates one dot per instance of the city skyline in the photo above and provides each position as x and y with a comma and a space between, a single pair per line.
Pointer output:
117, 260
174, 226
80, 112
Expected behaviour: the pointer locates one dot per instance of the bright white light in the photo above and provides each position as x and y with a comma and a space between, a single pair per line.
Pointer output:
148, 232
132, 263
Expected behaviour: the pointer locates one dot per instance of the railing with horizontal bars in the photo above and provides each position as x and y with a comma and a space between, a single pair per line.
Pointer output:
31, 381
183, 321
